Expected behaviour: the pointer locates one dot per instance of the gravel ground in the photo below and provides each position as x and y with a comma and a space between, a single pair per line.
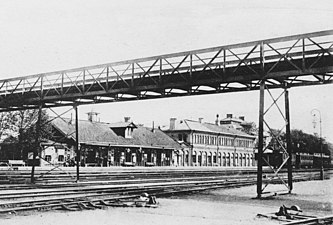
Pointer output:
223, 206
170, 211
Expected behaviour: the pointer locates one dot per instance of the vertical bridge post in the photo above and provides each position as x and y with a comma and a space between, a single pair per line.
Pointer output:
288, 139
77, 150
261, 138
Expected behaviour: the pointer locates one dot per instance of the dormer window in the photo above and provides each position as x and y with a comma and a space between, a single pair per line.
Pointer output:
128, 132
123, 129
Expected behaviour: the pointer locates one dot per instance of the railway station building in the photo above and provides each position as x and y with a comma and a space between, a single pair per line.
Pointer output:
223, 143
115, 144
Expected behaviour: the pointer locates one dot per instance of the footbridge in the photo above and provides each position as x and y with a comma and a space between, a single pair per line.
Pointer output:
287, 61
283, 62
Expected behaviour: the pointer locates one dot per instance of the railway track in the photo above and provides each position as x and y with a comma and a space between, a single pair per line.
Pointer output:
43, 178
92, 195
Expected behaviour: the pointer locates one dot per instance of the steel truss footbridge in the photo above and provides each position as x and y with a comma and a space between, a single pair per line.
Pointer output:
283, 62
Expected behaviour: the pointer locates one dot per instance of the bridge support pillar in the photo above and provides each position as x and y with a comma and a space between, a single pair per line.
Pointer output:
276, 144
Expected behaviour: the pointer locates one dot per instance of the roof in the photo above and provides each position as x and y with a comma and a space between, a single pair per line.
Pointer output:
191, 125
99, 133
147, 137
225, 130
122, 124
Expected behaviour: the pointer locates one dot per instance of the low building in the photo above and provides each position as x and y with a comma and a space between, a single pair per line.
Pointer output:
222, 143
116, 144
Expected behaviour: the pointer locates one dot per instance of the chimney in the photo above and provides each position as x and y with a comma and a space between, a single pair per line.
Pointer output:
242, 118
127, 119
217, 119
200, 120
229, 115
172, 123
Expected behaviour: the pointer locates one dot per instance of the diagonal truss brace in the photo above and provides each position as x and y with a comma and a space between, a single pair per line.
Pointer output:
67, 135
286, 150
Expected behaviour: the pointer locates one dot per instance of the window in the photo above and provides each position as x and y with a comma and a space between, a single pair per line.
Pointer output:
214, 158
61, 158
194, 158
127, 132
48, 158
209, 158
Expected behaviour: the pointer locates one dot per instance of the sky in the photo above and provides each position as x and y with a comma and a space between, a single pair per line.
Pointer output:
42, 36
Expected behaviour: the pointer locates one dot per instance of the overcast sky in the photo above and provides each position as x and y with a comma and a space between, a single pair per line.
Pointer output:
42, 36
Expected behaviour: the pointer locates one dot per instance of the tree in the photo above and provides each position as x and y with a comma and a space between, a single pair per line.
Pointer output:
19, 128
249, 128
300, 142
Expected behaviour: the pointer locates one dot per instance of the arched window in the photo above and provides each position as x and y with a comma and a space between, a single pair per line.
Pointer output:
228, 159
194, 157
187, 158
224, 159
200, 159
209, 160
214, 158
205, 161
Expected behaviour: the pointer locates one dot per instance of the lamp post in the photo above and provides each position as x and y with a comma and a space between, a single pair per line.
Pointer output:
313, 112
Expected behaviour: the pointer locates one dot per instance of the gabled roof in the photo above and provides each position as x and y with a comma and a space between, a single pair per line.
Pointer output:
88, 131
98, 133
